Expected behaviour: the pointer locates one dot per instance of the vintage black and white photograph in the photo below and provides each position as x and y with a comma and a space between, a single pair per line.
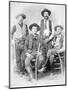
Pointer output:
37, 44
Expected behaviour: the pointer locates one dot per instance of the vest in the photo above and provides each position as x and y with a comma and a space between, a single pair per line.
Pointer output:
58, 41
20, 32
47, 30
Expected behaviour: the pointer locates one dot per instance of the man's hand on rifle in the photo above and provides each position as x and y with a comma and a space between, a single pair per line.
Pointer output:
28, 53
39, 53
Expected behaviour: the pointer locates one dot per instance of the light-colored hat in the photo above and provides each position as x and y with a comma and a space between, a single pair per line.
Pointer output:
23, 16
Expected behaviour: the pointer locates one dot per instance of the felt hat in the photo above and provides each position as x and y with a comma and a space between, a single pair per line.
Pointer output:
58, 26
45, 10
23, 16
36, 25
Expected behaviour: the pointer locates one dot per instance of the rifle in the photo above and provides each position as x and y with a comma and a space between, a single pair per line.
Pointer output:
36, 74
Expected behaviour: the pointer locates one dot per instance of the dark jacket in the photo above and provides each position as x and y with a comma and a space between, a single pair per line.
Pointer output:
42, 26
32, 42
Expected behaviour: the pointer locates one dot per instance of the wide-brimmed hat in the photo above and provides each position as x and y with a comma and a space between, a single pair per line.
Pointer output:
23, 16
58, 26
36, 25
45, 10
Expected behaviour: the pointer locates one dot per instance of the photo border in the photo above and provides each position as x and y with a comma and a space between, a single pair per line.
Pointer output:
65, 45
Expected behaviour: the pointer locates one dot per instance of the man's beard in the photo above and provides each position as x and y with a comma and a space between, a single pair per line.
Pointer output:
46, 17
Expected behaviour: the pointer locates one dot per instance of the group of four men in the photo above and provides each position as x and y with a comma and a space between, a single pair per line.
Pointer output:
45, 40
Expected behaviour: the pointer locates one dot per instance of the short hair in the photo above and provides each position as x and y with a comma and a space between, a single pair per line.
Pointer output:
58, 26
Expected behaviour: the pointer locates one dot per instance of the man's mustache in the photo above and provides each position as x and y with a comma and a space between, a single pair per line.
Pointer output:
46, 16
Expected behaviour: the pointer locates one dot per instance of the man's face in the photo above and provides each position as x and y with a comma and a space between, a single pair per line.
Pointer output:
46, 15
20, 19
34, 30
58, 31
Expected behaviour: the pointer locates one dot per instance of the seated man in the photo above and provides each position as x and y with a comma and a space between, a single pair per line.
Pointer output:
57, 43
32, 45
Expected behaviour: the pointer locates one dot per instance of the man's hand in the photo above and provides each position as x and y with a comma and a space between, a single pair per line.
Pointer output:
46, 40
28, 53
39, 53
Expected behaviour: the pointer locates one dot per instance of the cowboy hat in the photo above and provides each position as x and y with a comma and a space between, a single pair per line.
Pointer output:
45, 10
58, 26
36, 25
23, 16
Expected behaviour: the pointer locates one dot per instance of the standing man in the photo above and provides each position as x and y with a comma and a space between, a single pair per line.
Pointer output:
57, 43
19, 33
47, 30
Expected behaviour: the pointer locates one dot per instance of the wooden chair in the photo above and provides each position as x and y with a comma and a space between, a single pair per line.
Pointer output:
58, 62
